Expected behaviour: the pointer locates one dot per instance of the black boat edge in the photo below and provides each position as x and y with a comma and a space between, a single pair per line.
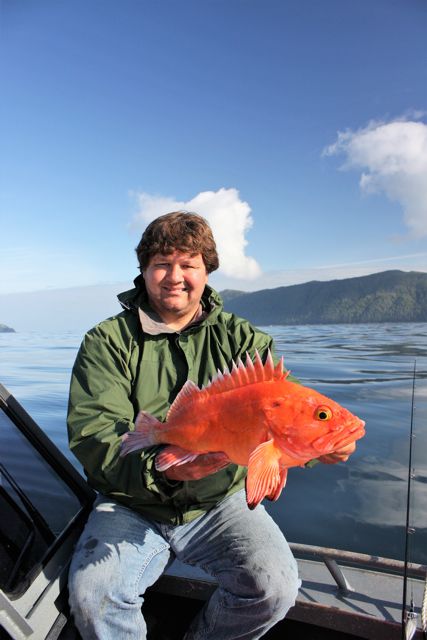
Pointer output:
343, 594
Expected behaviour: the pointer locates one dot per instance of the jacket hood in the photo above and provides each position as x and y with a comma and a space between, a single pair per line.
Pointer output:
137, 297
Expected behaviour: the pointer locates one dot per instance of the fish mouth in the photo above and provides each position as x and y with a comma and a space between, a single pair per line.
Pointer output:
327, 443
351, 437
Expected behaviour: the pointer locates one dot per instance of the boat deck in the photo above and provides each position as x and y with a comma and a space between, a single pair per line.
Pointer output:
363, 602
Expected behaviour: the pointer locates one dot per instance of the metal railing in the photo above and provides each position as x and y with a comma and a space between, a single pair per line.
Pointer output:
331, 558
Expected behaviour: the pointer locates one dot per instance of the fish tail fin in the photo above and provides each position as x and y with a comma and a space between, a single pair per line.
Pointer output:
173, 456
265, 476
142, 437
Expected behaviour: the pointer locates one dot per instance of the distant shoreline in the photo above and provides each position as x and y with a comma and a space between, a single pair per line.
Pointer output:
5, 329
388, 296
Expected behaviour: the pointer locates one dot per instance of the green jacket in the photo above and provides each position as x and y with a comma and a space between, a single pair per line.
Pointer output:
119, 370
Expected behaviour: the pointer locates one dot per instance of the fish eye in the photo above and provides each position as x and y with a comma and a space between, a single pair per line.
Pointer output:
323, 413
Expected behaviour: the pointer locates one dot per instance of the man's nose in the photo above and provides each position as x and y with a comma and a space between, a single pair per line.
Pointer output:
175, 273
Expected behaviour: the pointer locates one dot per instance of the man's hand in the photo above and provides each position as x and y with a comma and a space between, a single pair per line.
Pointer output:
339, 456
203, 466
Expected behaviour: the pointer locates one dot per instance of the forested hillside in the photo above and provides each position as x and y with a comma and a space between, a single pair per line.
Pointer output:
390, 296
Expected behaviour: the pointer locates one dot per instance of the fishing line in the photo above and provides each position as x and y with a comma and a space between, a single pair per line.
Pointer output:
409, 616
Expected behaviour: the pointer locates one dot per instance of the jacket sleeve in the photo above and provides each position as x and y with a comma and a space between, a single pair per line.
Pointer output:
100, 410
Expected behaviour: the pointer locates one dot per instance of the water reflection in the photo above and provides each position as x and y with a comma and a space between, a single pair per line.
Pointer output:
360, 505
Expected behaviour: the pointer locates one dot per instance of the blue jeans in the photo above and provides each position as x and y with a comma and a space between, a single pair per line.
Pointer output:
120, 554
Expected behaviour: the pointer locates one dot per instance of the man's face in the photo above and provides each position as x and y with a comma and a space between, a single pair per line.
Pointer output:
175, 284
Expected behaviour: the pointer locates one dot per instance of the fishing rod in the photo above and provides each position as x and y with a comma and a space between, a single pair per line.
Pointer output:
424, 611
409, 617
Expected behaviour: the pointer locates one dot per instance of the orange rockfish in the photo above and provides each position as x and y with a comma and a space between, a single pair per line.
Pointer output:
256, 417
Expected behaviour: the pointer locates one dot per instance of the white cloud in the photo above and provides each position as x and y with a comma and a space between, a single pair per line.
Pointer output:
230, 219
393, 160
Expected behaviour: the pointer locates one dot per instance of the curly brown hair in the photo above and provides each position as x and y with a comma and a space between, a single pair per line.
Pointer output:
178, 231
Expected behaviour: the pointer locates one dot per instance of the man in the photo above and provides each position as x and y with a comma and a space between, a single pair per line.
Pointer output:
172, 329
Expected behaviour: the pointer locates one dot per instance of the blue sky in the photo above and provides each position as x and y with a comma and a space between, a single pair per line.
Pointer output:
298, 128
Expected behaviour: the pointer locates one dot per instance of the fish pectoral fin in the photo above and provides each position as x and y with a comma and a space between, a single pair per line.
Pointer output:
264, 474
278, 490
173, 456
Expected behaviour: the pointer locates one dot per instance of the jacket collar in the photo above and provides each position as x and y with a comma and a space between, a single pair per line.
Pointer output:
131, 299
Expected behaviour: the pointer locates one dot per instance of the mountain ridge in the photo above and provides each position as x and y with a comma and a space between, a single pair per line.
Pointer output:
387, 296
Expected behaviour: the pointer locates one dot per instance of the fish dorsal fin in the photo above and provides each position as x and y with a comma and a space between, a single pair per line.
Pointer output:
240, 375
187, 392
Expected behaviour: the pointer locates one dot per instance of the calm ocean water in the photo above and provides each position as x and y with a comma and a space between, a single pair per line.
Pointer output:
359, 505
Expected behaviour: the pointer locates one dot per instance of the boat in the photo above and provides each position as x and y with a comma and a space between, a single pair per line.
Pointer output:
45, 501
